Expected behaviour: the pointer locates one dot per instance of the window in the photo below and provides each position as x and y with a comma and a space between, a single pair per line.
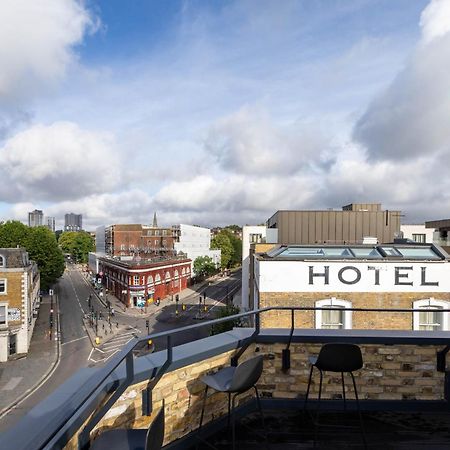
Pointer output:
3, 315
149, 279
431, 320
3, 289
176, 274
136, 280
183, 272
255, 238
419, 238
333, 319
157, 278
167, 276
2, 261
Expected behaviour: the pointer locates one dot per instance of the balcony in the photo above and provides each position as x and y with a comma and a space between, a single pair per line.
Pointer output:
403, 387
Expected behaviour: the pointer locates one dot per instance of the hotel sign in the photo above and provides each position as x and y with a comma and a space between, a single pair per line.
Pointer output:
364, 276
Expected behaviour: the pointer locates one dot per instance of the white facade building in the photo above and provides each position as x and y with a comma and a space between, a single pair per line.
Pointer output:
194, 242
259, 234
417, 233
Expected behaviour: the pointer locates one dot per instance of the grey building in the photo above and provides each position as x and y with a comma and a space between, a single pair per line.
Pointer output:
51, 223
35, 218
73, 222
350, 225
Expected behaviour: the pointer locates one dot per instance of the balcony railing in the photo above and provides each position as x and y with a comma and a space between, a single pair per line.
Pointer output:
92, 398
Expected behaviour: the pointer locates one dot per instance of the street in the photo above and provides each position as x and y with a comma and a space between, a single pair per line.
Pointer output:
71, 303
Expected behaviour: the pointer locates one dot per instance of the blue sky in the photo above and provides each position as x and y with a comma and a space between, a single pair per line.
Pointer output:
222, 111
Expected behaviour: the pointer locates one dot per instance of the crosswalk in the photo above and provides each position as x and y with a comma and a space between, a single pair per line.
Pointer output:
105, 351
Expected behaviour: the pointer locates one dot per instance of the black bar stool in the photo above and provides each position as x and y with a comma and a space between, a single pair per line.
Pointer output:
234, 380
337, 357
133, 439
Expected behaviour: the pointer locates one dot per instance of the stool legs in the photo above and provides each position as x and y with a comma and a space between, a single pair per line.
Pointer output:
359, 411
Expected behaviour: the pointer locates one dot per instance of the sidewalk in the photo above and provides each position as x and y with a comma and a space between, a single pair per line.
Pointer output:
119, 307
21, 376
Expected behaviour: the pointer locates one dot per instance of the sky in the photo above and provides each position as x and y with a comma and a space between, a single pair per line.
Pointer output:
223, 112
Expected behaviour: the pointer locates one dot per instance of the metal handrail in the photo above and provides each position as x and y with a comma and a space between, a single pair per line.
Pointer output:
114, 363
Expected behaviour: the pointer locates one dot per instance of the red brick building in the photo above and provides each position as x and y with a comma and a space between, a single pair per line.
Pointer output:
136, 282
136, 239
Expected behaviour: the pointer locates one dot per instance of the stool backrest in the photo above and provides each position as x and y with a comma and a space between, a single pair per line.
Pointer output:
155, 433
339, 357
247, 374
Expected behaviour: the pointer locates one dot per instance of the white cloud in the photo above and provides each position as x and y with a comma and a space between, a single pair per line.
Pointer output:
37, 40
410, 118
248, 142
59, 161
435, 20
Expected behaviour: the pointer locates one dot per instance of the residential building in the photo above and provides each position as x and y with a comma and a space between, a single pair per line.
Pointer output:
418, 233
441, 232
137, 281
252, 235
350, 225
51, 223
194, 241
35, 218
73, 222
19, 301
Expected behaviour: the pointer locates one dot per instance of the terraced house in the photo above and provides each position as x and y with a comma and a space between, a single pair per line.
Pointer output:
19, 301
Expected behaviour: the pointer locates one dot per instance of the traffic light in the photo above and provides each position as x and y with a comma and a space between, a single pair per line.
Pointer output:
177, 298
147, 323
204, 296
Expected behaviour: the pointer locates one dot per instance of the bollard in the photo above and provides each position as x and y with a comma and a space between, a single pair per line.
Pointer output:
97, 340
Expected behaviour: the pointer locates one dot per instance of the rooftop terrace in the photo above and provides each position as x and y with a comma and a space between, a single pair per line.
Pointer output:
403, 387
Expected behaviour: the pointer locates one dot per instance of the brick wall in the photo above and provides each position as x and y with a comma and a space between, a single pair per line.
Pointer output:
389, 373
360, 320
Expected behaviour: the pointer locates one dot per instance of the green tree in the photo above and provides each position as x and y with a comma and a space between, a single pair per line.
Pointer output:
43, 249
229, 310
13, 233
222, 242
204, 266
78, 244
41, 246
236, 258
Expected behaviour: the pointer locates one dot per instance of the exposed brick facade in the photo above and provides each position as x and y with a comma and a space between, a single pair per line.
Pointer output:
360, 319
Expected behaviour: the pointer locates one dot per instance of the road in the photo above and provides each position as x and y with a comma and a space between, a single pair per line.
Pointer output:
72, 294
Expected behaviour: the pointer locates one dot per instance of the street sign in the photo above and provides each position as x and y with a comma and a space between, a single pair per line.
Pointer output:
50, 291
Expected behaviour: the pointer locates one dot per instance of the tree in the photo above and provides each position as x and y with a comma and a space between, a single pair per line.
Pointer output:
41, 246
43, 249
204, 266
236, 258
78, 244
222, 242
229, 310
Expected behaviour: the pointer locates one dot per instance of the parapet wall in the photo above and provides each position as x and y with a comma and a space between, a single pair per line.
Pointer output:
400, 372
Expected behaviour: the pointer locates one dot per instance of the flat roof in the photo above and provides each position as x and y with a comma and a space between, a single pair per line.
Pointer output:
426, 252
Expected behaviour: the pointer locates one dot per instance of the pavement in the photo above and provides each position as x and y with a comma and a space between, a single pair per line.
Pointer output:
22, 376
19, 378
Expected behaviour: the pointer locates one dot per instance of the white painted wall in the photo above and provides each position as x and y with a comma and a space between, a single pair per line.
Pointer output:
294, 276
249, 233
195, 242
409, 230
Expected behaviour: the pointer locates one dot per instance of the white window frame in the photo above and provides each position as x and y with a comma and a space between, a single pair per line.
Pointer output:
431, 302
333, 301
149, 280
5, 280
157, 278
5, 305
136, 280
2, 261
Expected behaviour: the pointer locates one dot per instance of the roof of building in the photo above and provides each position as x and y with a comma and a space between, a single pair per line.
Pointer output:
357, 252
14, 257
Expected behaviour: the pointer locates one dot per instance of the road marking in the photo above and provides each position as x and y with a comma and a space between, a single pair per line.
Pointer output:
12, 383
74, 340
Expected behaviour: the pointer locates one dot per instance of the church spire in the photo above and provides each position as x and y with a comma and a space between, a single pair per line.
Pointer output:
155, 221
